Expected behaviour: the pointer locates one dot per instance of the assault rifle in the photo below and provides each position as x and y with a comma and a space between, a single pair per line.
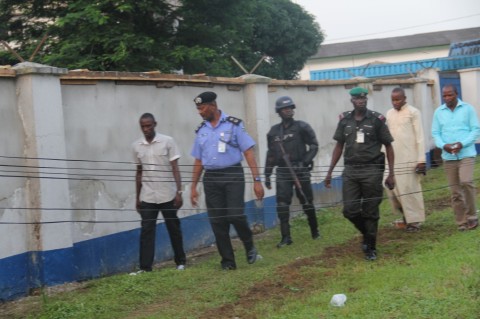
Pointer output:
286, 158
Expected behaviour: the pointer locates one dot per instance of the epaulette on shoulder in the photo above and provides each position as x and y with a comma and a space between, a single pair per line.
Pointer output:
379, 116
199, 127
343, 115
233, 120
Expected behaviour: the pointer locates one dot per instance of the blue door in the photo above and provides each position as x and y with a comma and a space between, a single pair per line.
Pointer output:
451, 78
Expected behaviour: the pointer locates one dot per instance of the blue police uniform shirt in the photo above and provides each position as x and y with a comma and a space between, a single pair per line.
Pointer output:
206, 145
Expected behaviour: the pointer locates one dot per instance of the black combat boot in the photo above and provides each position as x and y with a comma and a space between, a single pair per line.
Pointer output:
371, 226
285, 231
286, 240
359, 224
371, 249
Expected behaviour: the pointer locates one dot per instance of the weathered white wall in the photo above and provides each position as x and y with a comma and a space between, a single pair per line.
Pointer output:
12, 189
102, 118
81, 126
39, 104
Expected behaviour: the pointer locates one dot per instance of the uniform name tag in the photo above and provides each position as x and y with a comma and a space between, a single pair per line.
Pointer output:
360, 137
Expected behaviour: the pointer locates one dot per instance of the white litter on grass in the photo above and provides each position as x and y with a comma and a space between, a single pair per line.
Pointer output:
338, 300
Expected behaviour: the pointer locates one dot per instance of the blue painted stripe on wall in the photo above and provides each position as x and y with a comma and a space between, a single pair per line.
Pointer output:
112, 254
21, 273
14, 277
93, 258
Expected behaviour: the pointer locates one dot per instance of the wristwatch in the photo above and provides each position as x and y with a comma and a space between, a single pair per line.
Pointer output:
257, 179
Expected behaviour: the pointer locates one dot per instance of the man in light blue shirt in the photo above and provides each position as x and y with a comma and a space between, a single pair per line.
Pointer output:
455, 129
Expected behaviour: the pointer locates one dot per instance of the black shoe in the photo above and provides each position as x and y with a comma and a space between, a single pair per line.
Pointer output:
252, 255
229, 267
371, 255
285, 242
315, 235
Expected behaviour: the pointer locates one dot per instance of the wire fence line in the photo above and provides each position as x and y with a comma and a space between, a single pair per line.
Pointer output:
119, 174
42, 172
270, 210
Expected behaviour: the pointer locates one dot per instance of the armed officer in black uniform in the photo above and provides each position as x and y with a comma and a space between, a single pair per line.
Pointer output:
363, 132
292, 145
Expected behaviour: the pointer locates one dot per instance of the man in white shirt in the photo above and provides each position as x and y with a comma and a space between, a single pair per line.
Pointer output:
158, 188
405, 124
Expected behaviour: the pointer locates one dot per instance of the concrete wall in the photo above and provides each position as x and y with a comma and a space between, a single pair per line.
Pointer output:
13, 184
67, 194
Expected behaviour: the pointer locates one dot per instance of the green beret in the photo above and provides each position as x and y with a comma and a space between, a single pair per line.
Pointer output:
205, 97
358, 91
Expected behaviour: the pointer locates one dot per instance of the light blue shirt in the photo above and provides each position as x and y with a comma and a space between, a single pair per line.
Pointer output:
460, 125
234, 137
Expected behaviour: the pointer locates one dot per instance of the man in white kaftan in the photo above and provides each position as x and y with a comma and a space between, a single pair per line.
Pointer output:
405, 124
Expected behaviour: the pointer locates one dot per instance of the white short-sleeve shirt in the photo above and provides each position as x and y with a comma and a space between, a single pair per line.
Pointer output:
158, 183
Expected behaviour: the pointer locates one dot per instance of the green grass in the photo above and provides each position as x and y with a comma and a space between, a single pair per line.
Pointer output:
430, 274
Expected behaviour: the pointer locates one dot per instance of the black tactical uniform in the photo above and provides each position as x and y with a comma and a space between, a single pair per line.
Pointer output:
300, 145
363, 173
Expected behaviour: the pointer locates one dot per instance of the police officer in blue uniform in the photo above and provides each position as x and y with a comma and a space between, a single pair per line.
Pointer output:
293, 141
363, 132
220, 142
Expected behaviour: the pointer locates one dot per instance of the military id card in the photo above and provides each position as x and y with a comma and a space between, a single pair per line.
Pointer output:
360, 136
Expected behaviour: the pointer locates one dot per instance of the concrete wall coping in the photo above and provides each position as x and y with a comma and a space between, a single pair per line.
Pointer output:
153, 76
91, 77
7, 72
254, 78
34, 68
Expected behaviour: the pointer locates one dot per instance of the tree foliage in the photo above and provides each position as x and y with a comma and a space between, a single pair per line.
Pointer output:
98, 35
287, 35
218, 29
197, 36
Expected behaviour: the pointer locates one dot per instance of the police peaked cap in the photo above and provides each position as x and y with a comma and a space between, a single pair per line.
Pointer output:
205, 97
358, 91
284, 101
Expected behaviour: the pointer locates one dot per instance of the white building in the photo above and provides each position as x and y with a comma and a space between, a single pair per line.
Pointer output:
387, 50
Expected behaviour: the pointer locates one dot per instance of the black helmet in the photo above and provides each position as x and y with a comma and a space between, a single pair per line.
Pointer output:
283, 101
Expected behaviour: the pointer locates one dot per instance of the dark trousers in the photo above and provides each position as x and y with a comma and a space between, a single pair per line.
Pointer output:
149, 213
362, 194
285, 185
224, 193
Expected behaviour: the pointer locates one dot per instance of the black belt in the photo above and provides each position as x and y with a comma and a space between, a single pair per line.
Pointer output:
225, 169
374, 161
